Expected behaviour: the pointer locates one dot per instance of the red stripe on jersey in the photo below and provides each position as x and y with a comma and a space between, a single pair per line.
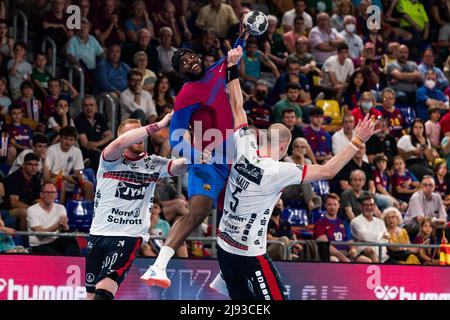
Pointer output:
304, 172
241, 126
139, 157
103, 156
130, 258
114, 176
270, 277
168, 168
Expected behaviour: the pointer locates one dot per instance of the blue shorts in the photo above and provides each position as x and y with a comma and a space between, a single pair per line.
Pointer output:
207, 180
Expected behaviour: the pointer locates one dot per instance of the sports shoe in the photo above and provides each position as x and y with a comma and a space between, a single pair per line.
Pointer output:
155, 276
219, 285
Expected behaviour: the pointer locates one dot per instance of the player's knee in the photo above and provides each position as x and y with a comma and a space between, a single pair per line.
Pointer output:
102, 294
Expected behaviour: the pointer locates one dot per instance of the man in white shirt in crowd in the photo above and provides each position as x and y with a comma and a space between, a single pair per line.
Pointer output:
368, 228
299, 10
136, 103
48, 216
40, 146
341, 138
354, 42
66, 161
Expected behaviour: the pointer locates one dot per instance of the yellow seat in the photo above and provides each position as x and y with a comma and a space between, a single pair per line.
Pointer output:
332, 110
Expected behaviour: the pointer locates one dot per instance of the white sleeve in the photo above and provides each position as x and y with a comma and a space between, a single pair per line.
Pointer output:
161, 165
32, 218
78, 163
105, 165
244, 143
50, 160
289, 174
405, 144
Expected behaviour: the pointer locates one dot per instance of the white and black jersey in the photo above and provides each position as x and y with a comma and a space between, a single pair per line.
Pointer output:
124, 195
254, 186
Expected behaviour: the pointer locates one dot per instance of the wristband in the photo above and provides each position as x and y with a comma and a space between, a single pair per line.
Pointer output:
232, 73
353, 146
151, 128
357, 142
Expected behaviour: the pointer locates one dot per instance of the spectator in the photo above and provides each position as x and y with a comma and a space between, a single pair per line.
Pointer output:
403, 76
391, 114
404, 182
350, 199
31, 107
93, 130
234, 30
136, 103
166, 50
323, 39
445, 124
148, 76
391, 55
439, 11
332, 228
425, 203
280, 230
433, 128
428, 64
54, 24
366, 104
22, 189
357, 84
162, 95
305, 60
290, 38
55, 93
20, 135
318, 138
7, 244
368, 228
257, 109
84, 50
65, 163
59, 119
415, 148
40, 75
48, 216
148, 45
414, 19
398, 235
5, 101
354, 42
342, 138
381, 178
290, 102
343, 8
369, 66
108, 26
382, 143
442, 180
289, 119
40, 146
429, 96
19, 69
85, 8
288, 21
208, 45
250, 67
139, 20
216, 15
167, 18
273, 44
427, 235
111, 73
6, 43
337, 70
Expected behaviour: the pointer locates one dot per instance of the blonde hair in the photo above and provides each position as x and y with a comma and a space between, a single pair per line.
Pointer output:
125, 122
395, 211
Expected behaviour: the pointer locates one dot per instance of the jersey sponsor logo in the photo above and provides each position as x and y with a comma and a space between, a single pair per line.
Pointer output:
241, 182
124, 216
249, 171
231, 227
248, 226
129, 191
229, 240
131, 164
233, 217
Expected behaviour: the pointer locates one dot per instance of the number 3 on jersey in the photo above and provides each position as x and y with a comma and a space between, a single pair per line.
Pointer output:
235, 202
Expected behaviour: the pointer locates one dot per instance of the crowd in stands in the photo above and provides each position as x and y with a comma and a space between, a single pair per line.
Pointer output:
320, 67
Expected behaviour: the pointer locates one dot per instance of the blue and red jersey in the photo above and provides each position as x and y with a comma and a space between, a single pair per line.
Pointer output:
319, 141
22, 134
335, 230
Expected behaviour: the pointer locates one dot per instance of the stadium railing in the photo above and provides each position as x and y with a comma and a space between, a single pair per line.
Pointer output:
77, 69
48, 40
24, 27
113, 113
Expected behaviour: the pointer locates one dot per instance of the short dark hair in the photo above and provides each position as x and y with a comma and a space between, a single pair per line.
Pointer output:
287, 110
433, 110
69, 132
333, 196
26, 85
14, 107
20, 44
379, 158
38, 53
366, 197
113, 43
292, 85
316, 111
39, 138
252, 40
292, 60
53, 79
31, 157
134, 73
342, 46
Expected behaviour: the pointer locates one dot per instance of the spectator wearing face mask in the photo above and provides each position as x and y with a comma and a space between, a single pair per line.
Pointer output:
366, 104
354, 42
430, 96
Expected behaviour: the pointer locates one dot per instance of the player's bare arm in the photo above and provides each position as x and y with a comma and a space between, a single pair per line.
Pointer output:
363, 131
234, 89
116, 148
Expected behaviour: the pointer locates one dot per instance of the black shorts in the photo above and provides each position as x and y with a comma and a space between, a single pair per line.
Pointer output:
251, 278
109, 257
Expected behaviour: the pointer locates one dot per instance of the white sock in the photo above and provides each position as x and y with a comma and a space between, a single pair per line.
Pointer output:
164, 257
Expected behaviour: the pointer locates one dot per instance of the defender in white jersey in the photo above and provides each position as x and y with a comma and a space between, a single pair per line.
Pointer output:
255, 184
126, 178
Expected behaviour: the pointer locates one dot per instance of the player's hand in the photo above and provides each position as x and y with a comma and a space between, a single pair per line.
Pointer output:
234, 55
165, 121
366, 128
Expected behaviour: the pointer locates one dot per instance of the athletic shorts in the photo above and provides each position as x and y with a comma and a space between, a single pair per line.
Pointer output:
207, 180
109, 257
251, 278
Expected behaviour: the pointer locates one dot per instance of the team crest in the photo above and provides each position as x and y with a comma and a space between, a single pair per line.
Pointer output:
207, 187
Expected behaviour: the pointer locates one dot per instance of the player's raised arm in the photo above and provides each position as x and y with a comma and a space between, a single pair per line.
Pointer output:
116, 148
234, 87
363, 131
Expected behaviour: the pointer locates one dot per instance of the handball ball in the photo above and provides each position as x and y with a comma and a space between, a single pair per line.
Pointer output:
255, 22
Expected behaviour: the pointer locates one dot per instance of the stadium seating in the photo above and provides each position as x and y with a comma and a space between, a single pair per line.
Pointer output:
80, 214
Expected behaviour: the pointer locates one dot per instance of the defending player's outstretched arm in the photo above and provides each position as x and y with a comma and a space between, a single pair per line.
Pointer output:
116, 148
234, 87
363, 131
